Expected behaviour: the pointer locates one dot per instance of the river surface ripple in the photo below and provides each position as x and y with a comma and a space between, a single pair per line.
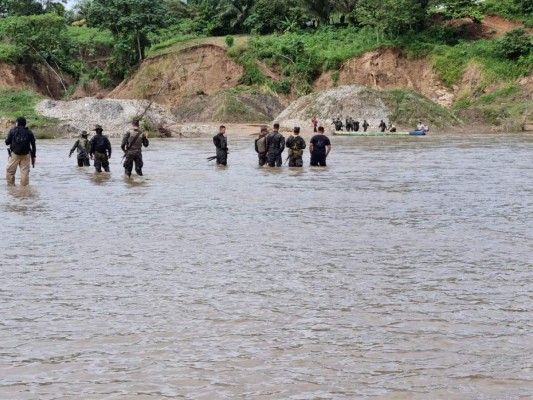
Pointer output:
401, 271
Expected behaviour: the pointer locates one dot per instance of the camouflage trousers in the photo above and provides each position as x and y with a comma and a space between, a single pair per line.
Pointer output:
101, 160
263, 158
274, 158
295, 158
222, 157
133, 157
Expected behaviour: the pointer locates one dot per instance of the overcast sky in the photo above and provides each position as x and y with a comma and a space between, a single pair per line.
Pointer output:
70, 3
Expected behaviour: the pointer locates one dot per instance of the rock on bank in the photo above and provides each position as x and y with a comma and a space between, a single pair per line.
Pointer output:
403, 108
354, 101
115, 116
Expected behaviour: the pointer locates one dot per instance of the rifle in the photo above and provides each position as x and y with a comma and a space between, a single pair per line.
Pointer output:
211, 158
32, 161
287, 159
9, 152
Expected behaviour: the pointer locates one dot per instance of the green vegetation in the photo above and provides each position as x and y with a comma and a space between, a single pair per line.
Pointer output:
298, 39
17, 103
407, 107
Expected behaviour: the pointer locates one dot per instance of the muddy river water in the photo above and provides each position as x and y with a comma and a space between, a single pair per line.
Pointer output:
401, 271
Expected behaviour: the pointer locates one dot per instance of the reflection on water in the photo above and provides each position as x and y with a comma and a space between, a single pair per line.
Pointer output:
400, 271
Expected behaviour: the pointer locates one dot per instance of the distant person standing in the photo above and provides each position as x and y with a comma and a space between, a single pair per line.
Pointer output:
314, 121
82, 146
365, 125
100, 150
22, 152
382, 126
221, 143
275, 144
132, 144
319, 147
356, 126
296, 146
260, 146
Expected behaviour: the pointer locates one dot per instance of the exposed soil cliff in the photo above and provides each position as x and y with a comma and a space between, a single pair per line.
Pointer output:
38, 77
203, 69
386, 69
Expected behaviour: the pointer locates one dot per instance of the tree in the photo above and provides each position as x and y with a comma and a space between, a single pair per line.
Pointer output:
458, 8
20, 8
320, 9
129, 20
39, 38
389, 17
273, 15
238, 11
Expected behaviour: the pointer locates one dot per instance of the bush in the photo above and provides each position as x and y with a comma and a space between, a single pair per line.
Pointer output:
514, 44
16, 103
229, 40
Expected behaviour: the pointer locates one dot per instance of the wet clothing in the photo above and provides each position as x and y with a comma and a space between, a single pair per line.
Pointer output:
132, 144
261, 150
221, 143
295, 146
275, 144
382, 126
356, 126
83, 147
100, 149
365, 126
21, 142
318, 156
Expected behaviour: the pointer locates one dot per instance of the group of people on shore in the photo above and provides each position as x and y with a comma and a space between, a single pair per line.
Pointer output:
353, 125
269, 147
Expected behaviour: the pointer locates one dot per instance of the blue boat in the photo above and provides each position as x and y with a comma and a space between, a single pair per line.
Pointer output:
417, 133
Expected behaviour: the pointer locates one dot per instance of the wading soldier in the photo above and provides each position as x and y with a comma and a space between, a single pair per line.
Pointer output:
132, 144
22, 152
319, 147
275, 144
221, 143
295, 146
100, 150
82, 145
260, 146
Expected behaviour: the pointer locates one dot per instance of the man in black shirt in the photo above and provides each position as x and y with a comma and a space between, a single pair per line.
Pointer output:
100, 150
319, 147
22, 152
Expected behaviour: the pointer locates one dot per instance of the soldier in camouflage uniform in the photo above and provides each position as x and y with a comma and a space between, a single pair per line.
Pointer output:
100, 150
296, 146
221, 143
275, 144
132, 144
260, 146
82, 145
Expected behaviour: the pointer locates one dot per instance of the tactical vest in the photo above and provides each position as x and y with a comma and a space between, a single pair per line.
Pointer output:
261, 145
138, 143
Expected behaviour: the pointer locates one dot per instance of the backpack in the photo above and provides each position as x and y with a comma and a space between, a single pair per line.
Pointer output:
20, 143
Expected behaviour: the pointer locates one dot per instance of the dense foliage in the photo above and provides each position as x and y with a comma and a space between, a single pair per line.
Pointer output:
301, 38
